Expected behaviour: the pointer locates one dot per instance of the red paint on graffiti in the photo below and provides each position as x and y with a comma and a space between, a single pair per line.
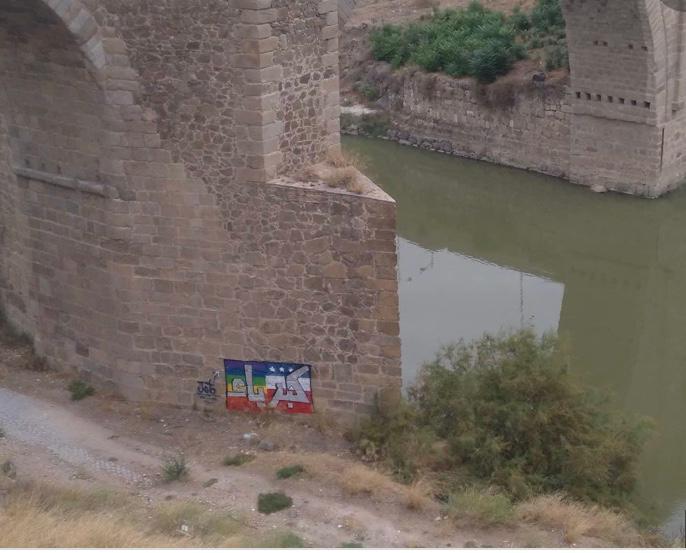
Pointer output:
244, 404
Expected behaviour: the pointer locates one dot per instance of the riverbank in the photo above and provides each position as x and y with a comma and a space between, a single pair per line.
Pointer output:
522, 120
483, 247
103, 447
516, 121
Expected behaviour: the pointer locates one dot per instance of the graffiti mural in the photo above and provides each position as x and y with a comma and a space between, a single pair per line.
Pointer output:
260, 385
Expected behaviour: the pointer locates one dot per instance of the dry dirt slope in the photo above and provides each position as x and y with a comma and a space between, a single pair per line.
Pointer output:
105, 442
359, 12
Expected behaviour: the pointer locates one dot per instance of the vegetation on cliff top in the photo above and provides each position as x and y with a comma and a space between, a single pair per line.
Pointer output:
504, 413
475, 41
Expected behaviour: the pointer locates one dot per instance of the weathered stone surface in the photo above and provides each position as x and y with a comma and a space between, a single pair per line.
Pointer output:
184, 111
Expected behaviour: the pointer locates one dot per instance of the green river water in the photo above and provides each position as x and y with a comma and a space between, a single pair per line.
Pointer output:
485, 248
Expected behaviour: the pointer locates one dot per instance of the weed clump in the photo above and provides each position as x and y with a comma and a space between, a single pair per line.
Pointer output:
268, 503
289, 471
341, 170
237, 460
175, 468
503, 411
488, 507
8, 469
80, 390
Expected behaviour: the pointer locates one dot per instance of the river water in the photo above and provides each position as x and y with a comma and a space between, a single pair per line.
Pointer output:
486, 248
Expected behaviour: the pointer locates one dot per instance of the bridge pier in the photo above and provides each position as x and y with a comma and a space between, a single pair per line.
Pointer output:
152, 220
628, 122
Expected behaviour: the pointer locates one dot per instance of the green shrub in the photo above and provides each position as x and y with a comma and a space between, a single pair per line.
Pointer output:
473, 41
289, 471
80, 390
520, 20
556, 56
175, 469
237, 460
505, 412
547, 17
547, 31
268, 503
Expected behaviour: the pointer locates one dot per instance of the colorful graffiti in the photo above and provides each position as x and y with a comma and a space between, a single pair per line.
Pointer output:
259, 385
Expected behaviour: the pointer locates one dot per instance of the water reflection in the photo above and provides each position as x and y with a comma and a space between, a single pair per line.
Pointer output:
484, 247
444, 295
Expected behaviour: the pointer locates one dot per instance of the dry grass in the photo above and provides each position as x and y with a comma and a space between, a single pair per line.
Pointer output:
341, 170
36, 515
578, 521
347, 178
417, 496
355, 479
340, 159
482, 507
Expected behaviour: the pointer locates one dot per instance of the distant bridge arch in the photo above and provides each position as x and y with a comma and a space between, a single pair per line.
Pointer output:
627, 97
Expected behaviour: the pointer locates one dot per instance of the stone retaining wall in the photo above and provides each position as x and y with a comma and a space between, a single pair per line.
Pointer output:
520, 125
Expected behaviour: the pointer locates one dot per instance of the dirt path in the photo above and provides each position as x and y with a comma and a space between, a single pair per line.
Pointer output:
60, 442
376, 12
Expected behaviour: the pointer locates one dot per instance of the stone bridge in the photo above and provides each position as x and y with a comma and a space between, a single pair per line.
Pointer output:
152, 222
627, 94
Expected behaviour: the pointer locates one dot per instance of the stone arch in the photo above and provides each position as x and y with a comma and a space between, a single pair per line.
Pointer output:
83, 27
70, 136
75, 69
617, 57
627, 115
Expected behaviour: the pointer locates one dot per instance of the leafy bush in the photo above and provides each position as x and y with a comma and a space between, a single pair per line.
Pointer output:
80, 390
504, 411
547, 30
473, 41
547, 16
268, 503
175, 469
556, 56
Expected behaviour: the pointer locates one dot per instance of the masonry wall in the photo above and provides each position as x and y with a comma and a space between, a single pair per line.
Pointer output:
180, 245
624, 94
520, 125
